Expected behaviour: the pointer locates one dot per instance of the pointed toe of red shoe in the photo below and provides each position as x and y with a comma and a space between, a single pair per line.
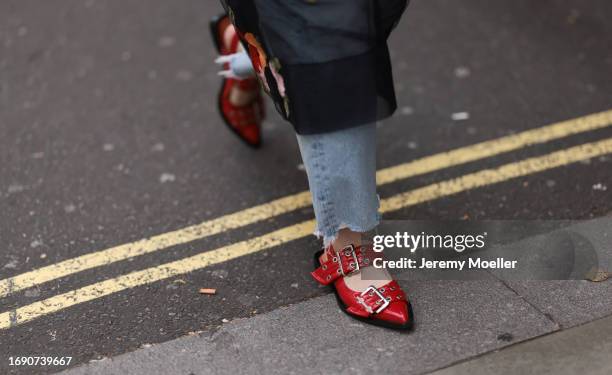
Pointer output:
251, 135
397, 313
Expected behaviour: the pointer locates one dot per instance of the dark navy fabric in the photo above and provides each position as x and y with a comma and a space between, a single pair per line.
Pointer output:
326, 62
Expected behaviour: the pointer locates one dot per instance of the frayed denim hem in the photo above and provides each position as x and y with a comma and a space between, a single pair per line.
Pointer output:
330, 234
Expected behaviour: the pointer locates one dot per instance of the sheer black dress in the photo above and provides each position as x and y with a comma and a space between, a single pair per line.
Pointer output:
324, 62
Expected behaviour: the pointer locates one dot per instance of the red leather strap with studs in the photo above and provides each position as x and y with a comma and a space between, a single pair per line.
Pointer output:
239, 116
344, 262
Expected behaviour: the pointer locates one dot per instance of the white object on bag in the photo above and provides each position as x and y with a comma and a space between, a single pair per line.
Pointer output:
239, 66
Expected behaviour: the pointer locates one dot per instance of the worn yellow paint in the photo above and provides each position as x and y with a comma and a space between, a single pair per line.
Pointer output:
155, 243
300, 200
492, 176
182, 266
495, 147
284, 235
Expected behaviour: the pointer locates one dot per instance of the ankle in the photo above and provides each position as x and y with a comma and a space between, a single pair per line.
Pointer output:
345, 238
239, 97
368, 275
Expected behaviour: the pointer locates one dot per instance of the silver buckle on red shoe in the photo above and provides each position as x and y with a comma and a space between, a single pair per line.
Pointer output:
371, 290
349, 251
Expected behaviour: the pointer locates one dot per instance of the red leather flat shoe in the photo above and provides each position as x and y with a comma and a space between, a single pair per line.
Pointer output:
385, 306
244, 121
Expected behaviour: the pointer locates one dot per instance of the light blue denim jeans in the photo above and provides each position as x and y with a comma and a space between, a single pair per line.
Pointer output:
341, 168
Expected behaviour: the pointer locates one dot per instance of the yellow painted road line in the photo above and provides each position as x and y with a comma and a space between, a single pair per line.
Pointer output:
179, 267
284, 235
155, 243
495, 147
492, 176
293, 202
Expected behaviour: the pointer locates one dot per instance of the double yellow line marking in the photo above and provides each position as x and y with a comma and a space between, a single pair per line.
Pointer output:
296, 201
300, 200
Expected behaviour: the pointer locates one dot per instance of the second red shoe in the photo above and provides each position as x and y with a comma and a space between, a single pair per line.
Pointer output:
244, 120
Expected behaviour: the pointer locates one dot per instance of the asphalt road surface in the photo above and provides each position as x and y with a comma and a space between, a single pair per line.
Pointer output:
109, 135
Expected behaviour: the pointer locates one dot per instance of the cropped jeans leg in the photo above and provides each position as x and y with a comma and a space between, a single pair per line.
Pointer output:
341, 168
